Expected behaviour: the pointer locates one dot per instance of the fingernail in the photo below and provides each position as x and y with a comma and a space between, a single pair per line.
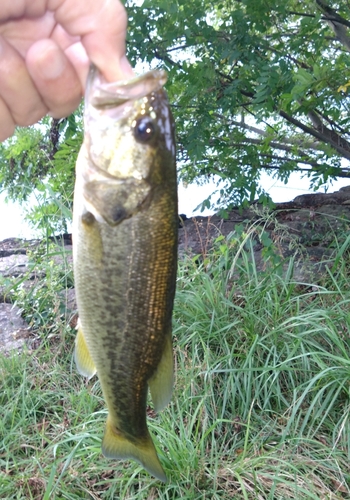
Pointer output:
51, 63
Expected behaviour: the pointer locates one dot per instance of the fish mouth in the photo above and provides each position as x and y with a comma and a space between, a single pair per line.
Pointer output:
102, 94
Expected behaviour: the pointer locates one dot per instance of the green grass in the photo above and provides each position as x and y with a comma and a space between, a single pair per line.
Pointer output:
260, 409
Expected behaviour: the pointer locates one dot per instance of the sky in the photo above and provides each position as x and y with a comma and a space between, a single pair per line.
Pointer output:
13, 225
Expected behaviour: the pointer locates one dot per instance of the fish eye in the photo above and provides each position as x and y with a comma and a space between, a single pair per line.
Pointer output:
144, 129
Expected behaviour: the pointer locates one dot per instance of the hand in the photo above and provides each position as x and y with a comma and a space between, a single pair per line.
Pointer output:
46, 47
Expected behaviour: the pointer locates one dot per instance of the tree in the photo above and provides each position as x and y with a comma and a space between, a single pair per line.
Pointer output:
254, 84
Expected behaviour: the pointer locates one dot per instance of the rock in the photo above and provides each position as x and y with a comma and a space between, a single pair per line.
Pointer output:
13, 329
13, 265
305, 228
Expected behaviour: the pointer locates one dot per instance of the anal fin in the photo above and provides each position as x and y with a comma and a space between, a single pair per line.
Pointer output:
161, 383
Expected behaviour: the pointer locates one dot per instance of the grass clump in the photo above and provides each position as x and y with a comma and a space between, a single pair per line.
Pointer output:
260, 407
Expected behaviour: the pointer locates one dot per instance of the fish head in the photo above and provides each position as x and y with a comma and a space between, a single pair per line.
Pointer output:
127, 123
129, 143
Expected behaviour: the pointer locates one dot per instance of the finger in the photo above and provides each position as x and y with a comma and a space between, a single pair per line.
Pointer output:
14, 10
17, 89
54, 77
21, 33
7, 125
102, 27
74, 50
80, 61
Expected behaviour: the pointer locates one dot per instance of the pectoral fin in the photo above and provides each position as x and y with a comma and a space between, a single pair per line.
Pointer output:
161, 384
82, 357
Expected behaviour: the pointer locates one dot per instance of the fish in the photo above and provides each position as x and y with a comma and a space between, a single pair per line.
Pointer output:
125, 256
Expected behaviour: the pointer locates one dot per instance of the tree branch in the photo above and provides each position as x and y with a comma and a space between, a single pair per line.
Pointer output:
339, 143
288, 142
320, 132
336, 22
330, 16
281, 147
343, 173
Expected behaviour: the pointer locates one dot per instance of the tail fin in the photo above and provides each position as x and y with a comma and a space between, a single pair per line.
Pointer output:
116, 445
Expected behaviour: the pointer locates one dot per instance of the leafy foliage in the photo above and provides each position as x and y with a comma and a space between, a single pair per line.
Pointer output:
37, 168
255, 85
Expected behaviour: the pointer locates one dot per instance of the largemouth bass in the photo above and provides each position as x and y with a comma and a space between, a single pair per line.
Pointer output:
125, 256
